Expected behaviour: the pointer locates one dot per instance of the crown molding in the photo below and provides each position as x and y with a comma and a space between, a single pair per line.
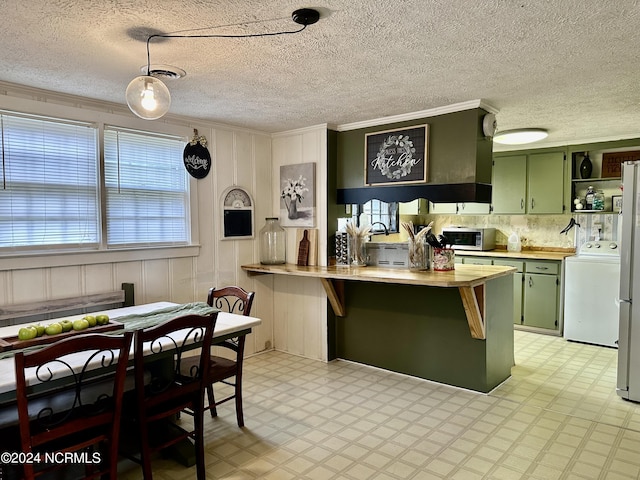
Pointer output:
302, 130
432, 112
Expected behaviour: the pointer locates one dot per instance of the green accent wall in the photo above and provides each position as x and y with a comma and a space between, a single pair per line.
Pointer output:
458, 151
423, 332
334, 211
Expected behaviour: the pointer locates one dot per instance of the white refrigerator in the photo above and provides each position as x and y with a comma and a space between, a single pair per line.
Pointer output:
628, 382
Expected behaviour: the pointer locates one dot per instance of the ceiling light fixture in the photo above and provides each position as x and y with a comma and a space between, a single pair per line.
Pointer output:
149, 98
520, 136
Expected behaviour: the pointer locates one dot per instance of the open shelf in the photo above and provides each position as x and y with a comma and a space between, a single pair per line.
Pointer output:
596, 180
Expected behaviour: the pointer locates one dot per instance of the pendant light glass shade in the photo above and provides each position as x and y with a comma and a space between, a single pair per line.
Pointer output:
520, 136
148, 97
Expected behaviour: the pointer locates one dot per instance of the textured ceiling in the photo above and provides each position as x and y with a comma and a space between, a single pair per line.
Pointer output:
571, 66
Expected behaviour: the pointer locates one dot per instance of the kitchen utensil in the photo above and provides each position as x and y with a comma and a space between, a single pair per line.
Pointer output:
569, 226
444, 241
433, 240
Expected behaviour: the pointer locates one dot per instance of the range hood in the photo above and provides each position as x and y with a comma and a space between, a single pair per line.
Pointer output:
436, 193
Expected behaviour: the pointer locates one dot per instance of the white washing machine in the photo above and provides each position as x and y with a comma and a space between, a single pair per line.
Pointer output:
591, 291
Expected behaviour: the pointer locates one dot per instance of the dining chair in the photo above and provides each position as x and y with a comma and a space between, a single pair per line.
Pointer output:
170, 388
69, 398
230, 299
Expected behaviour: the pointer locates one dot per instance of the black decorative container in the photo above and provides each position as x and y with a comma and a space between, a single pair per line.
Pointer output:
586, 167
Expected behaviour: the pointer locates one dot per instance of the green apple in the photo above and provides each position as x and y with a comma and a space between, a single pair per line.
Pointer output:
27, 333
53, 329
67, 325
102, 319
80, 324
91, 319
40, 329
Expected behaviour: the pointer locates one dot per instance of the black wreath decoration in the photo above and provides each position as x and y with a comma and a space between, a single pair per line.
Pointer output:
197, 159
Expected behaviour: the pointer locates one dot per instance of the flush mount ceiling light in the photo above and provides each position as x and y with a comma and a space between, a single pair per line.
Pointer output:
520, 136
149, 98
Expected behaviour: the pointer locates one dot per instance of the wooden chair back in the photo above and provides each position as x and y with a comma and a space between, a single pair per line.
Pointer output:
172, 388
231, 299
73, 398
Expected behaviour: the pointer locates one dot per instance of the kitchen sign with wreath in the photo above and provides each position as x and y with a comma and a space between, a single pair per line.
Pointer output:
398, 156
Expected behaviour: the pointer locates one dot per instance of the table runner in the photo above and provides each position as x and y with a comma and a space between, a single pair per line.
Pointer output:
137, 321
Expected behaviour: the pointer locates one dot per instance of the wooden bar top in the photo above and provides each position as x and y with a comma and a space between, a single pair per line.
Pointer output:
462, 276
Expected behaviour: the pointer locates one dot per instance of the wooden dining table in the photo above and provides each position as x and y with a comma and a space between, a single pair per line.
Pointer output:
228, 325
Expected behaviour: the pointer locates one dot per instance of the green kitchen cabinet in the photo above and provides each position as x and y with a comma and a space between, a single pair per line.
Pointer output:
536, 290
545, 177
517, 286
509, 185
528, 183
477, 261
541, 294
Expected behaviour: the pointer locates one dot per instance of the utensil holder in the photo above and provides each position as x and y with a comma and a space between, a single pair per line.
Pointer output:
443, 259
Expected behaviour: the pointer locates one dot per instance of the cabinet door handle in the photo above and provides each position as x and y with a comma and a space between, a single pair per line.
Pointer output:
522, 204
531, 281
533, 203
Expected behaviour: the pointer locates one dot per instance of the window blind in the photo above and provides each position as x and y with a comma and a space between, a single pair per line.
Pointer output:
147, 196
49, 189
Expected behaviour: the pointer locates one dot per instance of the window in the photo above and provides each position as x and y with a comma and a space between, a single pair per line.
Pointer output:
51, 195
377, 211
147, 195
49, 183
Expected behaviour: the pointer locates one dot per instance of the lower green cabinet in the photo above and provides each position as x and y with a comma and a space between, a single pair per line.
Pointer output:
517, 286
540, 301
477, 261
536, 290
541, 294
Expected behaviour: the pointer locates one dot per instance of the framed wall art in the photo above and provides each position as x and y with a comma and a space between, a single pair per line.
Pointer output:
616, 203
395, 157
297, 195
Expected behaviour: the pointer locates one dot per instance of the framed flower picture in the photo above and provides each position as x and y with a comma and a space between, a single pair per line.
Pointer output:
297, 195
396, 157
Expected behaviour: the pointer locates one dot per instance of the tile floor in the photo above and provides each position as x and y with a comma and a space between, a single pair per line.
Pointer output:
557, 417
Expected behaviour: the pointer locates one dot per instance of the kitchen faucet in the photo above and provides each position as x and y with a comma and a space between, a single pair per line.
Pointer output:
386, 230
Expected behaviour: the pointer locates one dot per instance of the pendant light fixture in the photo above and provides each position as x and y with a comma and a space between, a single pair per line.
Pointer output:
520, 136
149, 98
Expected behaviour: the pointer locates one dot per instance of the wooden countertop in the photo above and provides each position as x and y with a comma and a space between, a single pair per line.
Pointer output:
468, 279
462, 276
557, 255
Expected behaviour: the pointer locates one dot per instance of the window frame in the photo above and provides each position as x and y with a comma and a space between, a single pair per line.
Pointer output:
48, 257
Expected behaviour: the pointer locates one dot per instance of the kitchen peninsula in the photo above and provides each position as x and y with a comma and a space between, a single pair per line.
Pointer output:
451, 327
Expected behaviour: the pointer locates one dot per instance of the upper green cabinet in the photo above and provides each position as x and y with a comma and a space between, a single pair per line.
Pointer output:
528, 183
509, 184
545, 175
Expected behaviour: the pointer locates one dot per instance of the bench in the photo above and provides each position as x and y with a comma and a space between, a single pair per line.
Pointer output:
38, 311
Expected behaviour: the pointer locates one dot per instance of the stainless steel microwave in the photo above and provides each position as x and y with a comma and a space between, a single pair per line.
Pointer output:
464, 238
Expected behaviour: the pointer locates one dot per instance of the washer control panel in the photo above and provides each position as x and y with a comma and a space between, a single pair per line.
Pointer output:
600, 248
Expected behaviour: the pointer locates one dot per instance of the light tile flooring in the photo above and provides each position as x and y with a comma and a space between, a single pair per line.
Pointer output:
557, 417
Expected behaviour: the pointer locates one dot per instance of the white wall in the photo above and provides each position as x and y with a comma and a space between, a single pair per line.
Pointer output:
239, 157
300, 304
